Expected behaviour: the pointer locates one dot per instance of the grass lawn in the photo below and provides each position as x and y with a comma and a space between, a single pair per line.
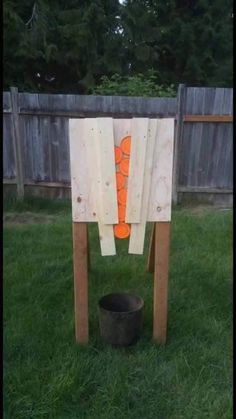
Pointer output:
46, 375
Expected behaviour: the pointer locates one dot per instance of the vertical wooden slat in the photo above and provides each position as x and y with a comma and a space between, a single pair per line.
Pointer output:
106, 156
83, 205
139, 135
136, 241
178, 133
161, 182
9, 169
161, 273
94, 175
122, 128
80, 258
18, 154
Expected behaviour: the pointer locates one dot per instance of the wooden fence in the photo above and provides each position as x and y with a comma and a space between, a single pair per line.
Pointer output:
36, 149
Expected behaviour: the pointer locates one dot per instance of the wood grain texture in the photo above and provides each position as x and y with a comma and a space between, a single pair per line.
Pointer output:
80, 259
161, 273
88, 250
9, 167
94, 186
83, 204
161, 184
17, 143
136, 241
91, 105
151, 251
6, 102
177, 140
198, 169
208, 118
46, 145
105, 154
121, 128
139, 136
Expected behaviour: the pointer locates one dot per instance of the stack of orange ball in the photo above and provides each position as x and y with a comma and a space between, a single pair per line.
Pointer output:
122, 153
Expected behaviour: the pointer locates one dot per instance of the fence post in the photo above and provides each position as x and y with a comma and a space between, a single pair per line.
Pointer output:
177, 141
18, 152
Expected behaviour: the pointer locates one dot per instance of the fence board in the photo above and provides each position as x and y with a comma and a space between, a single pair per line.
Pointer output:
6, 101
9, 170
205, 148
96, 104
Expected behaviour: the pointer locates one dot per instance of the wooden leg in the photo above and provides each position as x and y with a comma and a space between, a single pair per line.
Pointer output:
80, 258
161, 272
88, 252
151, 252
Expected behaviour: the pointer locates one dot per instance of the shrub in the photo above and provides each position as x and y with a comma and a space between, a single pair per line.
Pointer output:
137, 85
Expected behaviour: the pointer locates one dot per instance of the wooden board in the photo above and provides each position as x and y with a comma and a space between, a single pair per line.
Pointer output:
83, 203
161, 273
107, 240
17, 146
151, 251
95, 190
34, 109
208, 118
136, 242
80, 260
105, 154
161, 183
139, 134
84, 208
121, 128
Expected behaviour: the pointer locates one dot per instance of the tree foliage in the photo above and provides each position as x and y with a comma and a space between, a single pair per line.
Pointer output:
136, 85
78, 45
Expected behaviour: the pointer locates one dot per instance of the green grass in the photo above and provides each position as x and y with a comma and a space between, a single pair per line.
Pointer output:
46, 375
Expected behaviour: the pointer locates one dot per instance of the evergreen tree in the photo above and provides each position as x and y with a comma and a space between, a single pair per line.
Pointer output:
62, 46
184, 40
70, 46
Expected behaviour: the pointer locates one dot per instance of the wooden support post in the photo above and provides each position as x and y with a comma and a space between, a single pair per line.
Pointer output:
161, 272
18, 152
177, 141
151, 252
80, 258
88, 251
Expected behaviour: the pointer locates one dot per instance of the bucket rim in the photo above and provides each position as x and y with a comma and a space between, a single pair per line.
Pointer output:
140, 302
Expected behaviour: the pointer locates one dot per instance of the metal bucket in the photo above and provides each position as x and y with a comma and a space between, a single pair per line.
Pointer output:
120, 318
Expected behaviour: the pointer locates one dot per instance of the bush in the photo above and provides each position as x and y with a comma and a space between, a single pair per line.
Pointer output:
137, 85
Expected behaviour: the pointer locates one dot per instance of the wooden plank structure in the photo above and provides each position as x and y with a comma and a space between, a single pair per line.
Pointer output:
18, 154
94, 199
202, 166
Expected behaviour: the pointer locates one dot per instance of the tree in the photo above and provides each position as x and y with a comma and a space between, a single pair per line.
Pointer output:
70, 46
185, 40
72, 43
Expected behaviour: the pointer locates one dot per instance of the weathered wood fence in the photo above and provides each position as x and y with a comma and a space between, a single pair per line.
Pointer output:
36, 149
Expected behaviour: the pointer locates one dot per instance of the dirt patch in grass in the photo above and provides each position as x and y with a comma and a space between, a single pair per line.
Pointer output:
28, 218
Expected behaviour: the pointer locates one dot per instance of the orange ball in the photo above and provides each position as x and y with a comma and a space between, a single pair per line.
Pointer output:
122, 196
118, 155
121, 230
124, 167
121, 213
126, 145
120, 181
